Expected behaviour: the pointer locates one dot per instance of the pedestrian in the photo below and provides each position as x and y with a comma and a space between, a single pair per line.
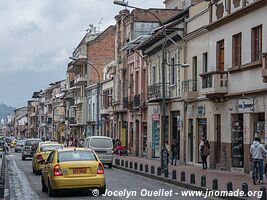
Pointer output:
258, 154
204, 152
174, 152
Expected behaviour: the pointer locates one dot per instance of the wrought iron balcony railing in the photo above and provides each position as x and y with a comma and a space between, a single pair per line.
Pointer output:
155, 92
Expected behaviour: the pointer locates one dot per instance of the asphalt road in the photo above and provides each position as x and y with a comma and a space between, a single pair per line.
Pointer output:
23, 184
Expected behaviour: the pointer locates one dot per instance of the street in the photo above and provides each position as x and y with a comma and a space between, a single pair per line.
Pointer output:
23, 184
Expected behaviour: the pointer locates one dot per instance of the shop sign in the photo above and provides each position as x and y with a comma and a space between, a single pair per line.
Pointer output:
245, 105
155, 117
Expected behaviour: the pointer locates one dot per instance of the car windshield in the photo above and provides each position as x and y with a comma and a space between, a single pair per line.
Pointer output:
21, 142
101, 143
51, 147
76, 155
32, 142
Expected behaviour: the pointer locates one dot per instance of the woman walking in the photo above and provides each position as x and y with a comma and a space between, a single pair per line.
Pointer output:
205, 152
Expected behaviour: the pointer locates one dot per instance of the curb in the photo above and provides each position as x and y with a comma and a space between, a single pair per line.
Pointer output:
176, 183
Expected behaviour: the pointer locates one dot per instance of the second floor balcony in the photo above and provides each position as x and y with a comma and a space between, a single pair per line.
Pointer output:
189, 89
80, 100
80, 79
155, 92
214, 84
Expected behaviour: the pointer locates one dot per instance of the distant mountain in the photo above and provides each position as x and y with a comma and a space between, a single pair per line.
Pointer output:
5, 110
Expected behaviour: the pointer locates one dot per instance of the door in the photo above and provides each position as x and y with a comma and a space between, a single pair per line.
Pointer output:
202, 132
137, 138
218, 146
190, 140
176, 130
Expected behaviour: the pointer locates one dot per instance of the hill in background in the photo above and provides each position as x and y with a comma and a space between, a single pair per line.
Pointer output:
5, 110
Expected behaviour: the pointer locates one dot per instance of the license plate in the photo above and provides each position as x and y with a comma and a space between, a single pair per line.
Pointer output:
79, 171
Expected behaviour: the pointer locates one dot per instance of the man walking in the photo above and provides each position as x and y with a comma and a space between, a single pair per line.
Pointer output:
258, 154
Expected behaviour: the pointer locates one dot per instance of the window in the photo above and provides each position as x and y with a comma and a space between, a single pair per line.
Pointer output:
172, 72
205, 62
220, 55
50, 157
194, 75
136, 82
236, 49
153, 75
76, 155
256, 43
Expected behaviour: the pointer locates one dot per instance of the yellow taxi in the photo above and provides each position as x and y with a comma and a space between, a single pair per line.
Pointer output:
42, 152
73, 168
13, 143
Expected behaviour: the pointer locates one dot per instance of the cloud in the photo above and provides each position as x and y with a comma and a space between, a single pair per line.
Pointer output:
38, 36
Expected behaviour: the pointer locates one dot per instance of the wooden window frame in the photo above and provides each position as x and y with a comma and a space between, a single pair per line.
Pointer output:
219, 46
256, 43
237, 49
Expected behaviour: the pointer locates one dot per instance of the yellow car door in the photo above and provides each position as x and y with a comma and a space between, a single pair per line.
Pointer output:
46, 173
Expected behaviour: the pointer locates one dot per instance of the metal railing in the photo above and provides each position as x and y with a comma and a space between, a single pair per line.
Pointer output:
189, 85
156, 91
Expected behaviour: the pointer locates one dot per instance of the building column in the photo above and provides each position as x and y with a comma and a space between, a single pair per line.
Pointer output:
248, 137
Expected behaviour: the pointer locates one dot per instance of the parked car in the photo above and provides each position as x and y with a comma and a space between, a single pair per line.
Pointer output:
103, 146
73, 168
30, 147
42, 152
19, 145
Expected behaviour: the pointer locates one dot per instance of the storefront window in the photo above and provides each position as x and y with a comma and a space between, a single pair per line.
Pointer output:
237, 141
259, 127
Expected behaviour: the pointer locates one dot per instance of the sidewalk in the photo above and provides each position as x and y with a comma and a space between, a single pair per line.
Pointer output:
222, 176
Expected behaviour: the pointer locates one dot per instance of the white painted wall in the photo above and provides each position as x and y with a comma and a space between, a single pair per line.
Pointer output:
241, 81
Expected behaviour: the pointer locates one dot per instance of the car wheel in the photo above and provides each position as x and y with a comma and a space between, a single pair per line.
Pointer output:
102, 190
23, 158
51, 192
44, 188
110, 165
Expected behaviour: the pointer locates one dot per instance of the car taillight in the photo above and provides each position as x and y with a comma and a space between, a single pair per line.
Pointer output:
57, 170
100, 169
40, 157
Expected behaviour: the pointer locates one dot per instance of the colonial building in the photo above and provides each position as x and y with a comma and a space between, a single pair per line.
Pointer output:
106, 108
20, 121
100, 52
129, 125
228, 60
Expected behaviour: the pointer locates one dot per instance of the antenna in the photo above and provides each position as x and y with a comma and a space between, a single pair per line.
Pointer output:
100, 23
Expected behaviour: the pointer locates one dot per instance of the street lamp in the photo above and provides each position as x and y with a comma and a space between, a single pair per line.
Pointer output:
98, 89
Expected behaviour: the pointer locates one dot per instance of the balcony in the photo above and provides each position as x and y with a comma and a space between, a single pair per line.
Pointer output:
264, 67
80, 79
80, 100
189, 89
155, 92
72, 120
136, 101
214, 84
125, 102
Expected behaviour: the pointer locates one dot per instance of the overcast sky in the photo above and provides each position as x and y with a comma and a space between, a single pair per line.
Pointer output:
38, 36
